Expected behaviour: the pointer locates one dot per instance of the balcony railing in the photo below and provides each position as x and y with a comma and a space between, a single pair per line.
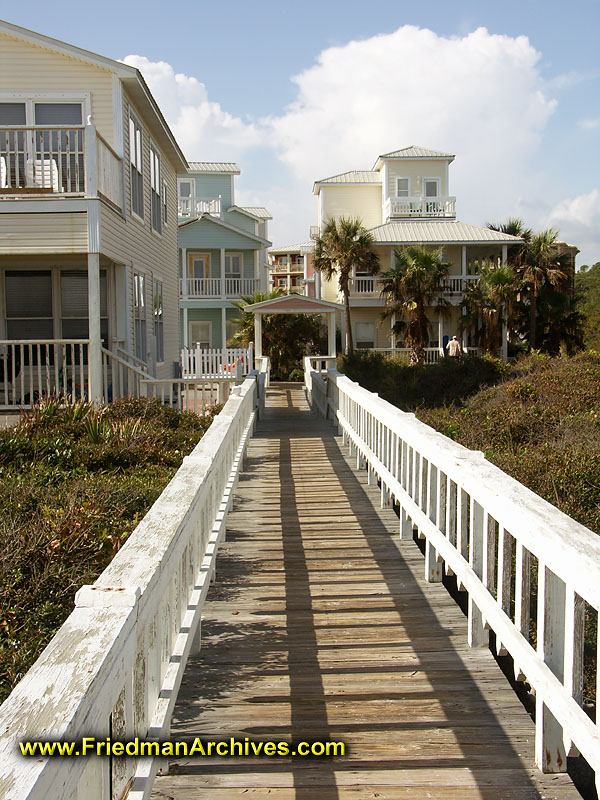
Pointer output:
420, 207
286, 268
215, 287
42, 160
371, 285
59, 161
194, 206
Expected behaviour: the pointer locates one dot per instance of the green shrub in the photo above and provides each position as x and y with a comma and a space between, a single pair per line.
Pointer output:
74, 483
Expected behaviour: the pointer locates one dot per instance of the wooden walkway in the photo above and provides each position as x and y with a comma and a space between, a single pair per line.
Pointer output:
321, 627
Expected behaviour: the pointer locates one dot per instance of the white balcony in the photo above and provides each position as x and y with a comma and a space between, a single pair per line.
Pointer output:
59, 162
370, 285
194, 206
195, 288
398, 207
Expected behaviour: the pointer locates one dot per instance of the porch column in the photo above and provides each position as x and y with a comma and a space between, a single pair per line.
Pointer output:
95, 346
441, 333
258, 335
223, 327
331, 334
464, 260
504, 253
184, 333
222, 270
258, 277
344, 337
184, 272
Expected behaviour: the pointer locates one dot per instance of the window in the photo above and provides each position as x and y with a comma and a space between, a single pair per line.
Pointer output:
233, 265
51, 114
185, 189
201, 334
29, 304
432, 187
139, 315
402, 187
155, 190
198, 265
74, 305
157, 304
135, 158
231, 328
365, 334
164, 201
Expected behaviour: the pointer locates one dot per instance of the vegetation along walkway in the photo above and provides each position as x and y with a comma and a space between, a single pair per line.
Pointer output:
320, 627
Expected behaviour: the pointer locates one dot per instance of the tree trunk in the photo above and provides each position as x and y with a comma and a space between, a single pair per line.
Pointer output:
532, 319
349, 340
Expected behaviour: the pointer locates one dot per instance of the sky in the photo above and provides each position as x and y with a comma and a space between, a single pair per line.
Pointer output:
297, 92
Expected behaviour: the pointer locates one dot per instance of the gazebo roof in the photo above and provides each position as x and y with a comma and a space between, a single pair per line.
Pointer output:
293, 304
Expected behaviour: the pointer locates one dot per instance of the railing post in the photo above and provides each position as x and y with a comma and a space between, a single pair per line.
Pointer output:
477, 636
550, 754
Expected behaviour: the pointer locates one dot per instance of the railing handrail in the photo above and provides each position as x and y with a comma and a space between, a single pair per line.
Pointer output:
461, 503
115, 666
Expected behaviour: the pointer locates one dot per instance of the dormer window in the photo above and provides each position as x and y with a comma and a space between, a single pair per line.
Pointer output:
402, 187
432, 187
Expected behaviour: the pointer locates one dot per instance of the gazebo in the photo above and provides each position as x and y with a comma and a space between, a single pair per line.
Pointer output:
295, 304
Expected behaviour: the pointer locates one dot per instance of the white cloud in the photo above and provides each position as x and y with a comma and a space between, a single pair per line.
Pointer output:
589, 124
205, 131
578, 220
480, 96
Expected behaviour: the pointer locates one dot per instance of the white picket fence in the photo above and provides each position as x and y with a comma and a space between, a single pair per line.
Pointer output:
488, 530
114, 667
232, 362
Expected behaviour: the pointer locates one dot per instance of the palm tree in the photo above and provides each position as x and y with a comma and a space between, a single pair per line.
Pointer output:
536, 263
414, 283
490, 300
342, 245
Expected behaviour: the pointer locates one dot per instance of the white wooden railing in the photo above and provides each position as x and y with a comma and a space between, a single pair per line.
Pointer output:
194, 206
488, 530
215, 287
110, 172
121, 377
115, 666
432, 354
419, 206
214, 362
32, 368
42, 159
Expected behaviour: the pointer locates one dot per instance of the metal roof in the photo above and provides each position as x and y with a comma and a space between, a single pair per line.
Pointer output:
256, 211
438, 232
414, 151
354, 176
227, 167
303, 247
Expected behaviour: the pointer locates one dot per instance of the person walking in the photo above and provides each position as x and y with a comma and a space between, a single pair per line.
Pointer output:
454, 349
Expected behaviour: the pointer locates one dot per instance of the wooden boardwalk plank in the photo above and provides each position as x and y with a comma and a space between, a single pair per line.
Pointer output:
320, 626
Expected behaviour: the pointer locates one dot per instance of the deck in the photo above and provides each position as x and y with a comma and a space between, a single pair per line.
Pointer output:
321, 627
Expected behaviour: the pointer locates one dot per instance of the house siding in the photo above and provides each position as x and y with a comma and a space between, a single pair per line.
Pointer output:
43, 233
35, 70
212, 186
241, 221
213, 236
360, 201
130, 241
416, 171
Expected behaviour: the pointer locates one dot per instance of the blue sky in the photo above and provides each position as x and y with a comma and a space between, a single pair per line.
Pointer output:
281, 89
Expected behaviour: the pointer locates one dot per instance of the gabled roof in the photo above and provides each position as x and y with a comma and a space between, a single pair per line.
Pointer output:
413, 151
255, 212
222, 167
365, 177
260, 212
302, 247
438, 232
132, 78
293, 304
218, 221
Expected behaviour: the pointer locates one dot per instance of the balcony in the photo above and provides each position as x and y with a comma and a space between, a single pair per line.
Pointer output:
283, 267
415, 207
216, 288
59, 162
194, 206
371, 285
